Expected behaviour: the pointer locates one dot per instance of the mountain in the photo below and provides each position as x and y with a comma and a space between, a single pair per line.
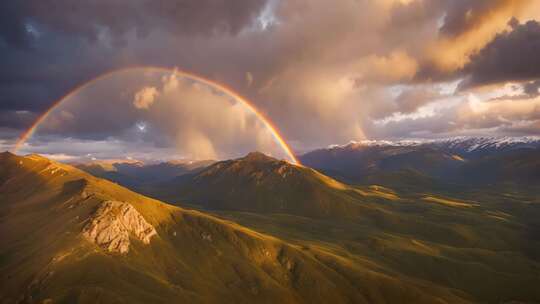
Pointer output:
468, 241
68, 237
134, 174
472, 147
259, 183
475, 161
358, 161
462, 145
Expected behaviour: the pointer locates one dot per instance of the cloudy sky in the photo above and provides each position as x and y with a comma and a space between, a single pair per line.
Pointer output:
324, 72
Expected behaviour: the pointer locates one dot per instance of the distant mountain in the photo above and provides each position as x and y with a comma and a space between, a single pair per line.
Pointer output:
68, 237
260, 183
135, 174
358, 161
455, 160
472, 147
463, 144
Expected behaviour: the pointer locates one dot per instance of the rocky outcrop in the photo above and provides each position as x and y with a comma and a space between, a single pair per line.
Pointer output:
113, 223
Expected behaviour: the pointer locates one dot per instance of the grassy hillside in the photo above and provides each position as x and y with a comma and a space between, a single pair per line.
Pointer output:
482, 243
45, 257
260, 183
487, 249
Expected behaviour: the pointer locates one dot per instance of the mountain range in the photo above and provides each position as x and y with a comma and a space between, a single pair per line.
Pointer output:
464, 161
70, 237
370, 222
138, 173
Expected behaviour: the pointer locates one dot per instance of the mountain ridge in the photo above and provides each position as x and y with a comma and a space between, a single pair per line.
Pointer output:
470, 142
134, 174
191, 257
261, 183
445, 161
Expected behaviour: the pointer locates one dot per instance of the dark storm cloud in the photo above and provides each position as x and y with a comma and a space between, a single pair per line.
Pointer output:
88, 19
49, 47
454, 17
511, 56
320, 70
532, 88
33, 77
16, 119
12, 29
464, 28
462, 15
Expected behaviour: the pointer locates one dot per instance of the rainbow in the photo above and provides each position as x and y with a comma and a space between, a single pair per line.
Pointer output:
211, 83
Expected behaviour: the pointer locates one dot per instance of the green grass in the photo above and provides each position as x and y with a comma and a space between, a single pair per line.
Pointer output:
481, 249
196, 257
477, 244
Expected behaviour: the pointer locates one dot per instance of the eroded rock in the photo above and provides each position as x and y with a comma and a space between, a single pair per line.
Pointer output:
111, 226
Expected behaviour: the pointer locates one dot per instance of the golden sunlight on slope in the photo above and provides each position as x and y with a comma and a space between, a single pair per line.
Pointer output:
447, 202
49, 212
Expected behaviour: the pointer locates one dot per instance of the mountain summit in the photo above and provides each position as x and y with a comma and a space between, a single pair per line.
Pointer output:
260, 183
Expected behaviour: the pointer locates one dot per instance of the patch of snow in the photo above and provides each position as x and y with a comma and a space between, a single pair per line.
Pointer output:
469, 144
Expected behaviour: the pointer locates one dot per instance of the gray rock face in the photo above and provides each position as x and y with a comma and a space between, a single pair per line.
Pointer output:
111, 226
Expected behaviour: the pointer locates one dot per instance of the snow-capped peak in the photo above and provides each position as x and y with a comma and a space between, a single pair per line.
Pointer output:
463, 143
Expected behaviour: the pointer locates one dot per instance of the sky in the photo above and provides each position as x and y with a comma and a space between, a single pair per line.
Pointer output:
323, 72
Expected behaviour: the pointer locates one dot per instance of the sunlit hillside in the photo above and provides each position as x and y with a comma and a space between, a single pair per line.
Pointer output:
470, 242
76, 238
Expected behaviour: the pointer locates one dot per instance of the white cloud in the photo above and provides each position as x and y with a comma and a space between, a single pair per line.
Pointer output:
145, 97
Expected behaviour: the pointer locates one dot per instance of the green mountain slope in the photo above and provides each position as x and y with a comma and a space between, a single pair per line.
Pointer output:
68, 237
260, 183
472, 241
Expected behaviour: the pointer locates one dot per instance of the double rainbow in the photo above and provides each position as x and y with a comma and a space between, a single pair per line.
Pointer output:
211, 83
